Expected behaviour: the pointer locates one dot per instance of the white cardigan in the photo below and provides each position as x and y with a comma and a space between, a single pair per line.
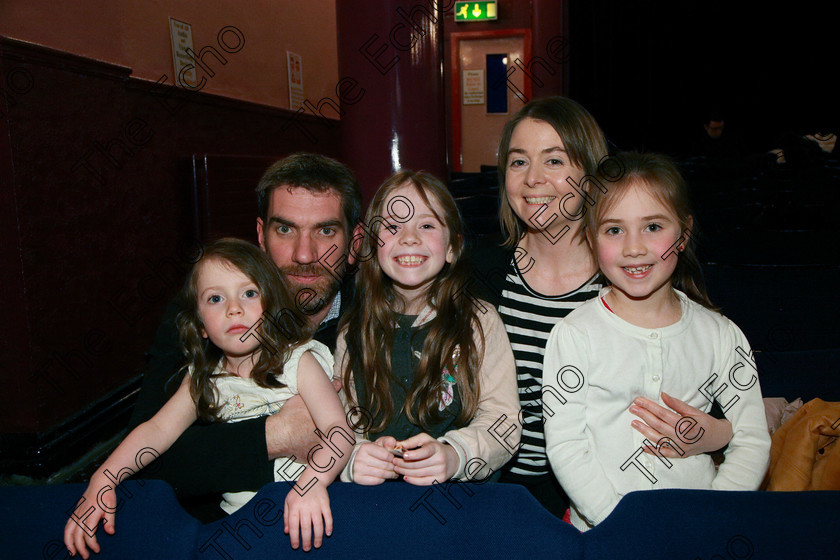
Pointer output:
596, 364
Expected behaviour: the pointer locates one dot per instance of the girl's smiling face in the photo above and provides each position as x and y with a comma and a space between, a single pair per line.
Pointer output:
634, 244
229, 304
413, 250
537, 178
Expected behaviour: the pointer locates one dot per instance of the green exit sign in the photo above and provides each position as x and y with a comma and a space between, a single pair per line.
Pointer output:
475, 11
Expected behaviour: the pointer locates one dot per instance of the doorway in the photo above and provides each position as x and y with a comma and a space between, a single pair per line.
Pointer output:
487, 88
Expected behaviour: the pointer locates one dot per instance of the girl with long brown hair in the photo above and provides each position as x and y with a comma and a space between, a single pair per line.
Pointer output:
427, 368
652, 330
247, 354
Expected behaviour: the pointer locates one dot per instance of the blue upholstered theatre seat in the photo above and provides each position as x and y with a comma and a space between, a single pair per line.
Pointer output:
150, 523
400, 521
703, 524
790, 318
805, 374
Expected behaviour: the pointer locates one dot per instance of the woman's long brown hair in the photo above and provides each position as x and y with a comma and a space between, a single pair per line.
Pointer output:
281, 327
370, 324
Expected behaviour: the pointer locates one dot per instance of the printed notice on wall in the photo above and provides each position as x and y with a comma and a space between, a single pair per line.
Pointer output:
182, 63
294, 62
473, 87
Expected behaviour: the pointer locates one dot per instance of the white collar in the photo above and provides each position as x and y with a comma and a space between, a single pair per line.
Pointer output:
335, 308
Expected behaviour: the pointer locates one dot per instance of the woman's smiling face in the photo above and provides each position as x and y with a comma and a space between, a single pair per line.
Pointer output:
539, 176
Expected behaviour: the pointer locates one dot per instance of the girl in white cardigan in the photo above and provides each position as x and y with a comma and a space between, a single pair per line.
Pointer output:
652, 333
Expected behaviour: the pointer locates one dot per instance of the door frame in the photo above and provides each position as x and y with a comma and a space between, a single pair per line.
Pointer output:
455, 77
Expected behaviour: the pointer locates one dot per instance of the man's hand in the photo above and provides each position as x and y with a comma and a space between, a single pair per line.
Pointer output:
290, 432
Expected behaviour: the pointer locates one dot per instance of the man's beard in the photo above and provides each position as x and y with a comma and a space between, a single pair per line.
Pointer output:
313, 297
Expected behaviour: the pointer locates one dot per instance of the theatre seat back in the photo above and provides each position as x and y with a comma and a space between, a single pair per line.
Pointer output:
405, 522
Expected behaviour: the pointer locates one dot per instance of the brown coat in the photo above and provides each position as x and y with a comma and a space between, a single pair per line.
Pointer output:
805, 454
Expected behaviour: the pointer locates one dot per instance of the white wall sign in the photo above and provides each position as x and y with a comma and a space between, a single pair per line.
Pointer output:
294, 63
180, 34
472, 87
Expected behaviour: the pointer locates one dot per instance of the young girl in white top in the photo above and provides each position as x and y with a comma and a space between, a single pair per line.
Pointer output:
429, 369
651, 332
247, 354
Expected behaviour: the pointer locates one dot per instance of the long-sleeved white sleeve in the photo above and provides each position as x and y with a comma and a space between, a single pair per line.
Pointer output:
737, 390
338, 373
569, 443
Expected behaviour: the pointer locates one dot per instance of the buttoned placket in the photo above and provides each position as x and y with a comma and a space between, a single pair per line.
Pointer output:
653, 385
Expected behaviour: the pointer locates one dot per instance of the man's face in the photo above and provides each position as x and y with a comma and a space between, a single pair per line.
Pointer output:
302, 227
714, 129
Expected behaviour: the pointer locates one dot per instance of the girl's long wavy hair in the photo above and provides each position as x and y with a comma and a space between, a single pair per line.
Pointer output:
370, 323
280, 328
662, 179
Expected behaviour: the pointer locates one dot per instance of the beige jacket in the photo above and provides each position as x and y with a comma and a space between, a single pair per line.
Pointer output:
492, 436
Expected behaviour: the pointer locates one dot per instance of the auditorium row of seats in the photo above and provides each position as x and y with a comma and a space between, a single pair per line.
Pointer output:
396, 520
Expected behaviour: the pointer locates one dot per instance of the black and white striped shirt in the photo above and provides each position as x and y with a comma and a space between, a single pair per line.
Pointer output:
529, 317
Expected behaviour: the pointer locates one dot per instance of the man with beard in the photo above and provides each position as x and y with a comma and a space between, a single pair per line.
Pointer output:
307, 206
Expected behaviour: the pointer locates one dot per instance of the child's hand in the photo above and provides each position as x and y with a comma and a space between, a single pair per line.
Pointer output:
307, 518
391, 444
426, 461
80, 530
374, 462
701, 433
388, 442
